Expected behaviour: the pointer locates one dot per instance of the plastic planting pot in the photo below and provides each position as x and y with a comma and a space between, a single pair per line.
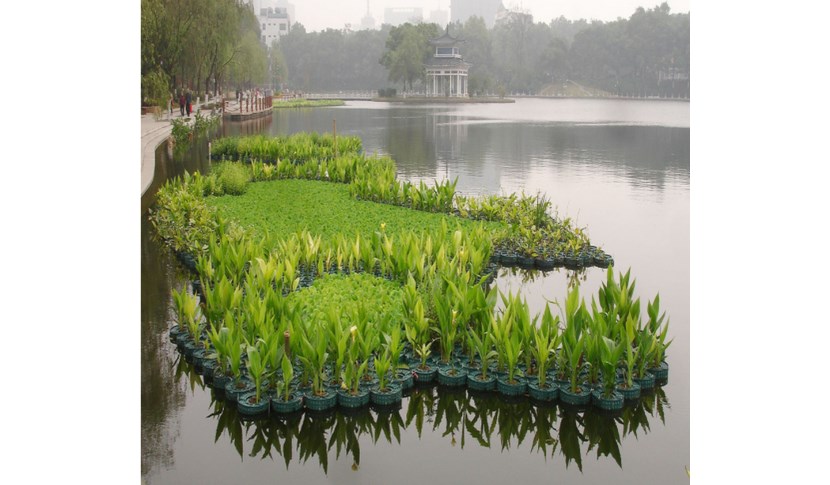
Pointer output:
323, 402
646, 382
629, 393
425, 375
546, 394
236, 387
175, 331
391, 395
293, 404
220, 380
348, 400
477, 383
660, 373
208, 367
198, 357
182, 338
580, 398
608, 403
189, 347
404, 379
525, 261
248, 406
515, 388
450, 376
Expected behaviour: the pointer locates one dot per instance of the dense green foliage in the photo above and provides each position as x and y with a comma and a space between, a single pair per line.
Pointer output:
199, 45
283, 207
299, 147
645, 54
334, 59
350, 294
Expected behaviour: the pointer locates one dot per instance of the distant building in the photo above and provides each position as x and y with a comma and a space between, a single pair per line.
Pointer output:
506, 16
446, 71
461, 10
400, 16
274, 23
368, 22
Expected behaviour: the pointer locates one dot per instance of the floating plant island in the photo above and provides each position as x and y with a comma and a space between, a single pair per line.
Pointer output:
322, 280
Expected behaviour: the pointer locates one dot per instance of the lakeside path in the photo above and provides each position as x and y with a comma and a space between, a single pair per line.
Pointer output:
153, 133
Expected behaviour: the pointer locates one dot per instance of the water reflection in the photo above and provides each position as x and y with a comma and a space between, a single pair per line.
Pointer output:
464, 418
490, 154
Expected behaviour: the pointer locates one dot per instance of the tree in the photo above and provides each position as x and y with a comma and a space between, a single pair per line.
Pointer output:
407, 48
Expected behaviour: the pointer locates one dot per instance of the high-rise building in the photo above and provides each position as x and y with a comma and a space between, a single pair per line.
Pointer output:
461, 10
274, 23
399, 16
368, 22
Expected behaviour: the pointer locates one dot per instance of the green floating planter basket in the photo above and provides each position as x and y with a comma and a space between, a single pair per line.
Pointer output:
450, 376
348, 400
220, 380
248, 407
544, 264
294, 404
517, 388
630, 393
189, 347
545, 394
660, 373
208, 367
235, 388
646, 382
314, 402
475, 382
575, 399
175, 331
612, 403
404, 379
392, 395
424, 376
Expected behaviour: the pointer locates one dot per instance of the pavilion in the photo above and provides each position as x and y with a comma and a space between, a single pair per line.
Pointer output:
446, 70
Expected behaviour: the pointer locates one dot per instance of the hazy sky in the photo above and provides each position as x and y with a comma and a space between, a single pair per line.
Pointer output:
322, 14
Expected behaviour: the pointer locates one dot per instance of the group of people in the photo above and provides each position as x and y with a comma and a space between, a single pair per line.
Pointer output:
185, 103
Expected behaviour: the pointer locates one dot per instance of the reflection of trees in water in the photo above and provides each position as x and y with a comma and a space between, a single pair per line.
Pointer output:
161, 394
459, 415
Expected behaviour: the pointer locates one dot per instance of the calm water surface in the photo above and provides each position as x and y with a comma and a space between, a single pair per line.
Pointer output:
619, 168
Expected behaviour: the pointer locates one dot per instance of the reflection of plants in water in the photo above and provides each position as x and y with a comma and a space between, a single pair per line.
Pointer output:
421, 407
194, 379
453, 413
602, 433
544, 417
574, 276
450, 409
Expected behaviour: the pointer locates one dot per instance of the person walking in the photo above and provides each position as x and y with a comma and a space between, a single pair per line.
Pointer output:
181, 103
188, 100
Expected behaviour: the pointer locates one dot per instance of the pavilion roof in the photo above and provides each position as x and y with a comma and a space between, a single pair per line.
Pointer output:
446, 39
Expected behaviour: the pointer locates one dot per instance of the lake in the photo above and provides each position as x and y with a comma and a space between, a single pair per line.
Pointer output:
618, 168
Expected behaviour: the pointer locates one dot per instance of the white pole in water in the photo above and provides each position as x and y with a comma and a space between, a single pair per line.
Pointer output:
208, 151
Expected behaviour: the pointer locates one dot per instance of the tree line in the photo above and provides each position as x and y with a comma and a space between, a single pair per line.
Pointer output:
644, 55
205, 44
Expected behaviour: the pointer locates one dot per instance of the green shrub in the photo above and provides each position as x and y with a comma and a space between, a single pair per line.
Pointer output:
233, 177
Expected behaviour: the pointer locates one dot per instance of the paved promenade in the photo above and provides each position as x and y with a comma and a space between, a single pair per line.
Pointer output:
155, 131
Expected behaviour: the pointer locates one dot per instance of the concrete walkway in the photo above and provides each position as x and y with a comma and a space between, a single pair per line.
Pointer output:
154, 133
